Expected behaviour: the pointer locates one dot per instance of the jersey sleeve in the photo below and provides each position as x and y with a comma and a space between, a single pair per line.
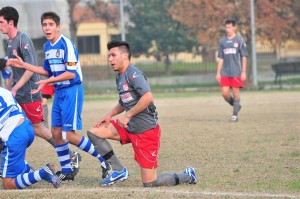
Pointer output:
243, 48
27, 49
71, 56
139, 82
46, 65
220, 50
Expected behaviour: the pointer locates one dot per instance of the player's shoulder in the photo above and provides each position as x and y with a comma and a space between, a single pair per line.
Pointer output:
133, 72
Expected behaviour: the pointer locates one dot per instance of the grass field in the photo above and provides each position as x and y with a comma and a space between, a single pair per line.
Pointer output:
258, 157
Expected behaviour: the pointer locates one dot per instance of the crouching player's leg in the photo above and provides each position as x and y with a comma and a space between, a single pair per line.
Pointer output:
15, 172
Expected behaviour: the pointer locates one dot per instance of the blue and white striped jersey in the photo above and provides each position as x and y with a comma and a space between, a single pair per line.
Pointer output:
61, 57
10, 113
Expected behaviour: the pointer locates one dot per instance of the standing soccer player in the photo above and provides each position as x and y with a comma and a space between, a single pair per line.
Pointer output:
232, 65
62, 66
137, 126
24, 81
16, 135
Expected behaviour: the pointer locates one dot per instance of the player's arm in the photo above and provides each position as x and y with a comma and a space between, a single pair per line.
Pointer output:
25, 77
141, 105
62, 77
244, 68
145, 101
219, 68
106, 119
220, 61
19, 63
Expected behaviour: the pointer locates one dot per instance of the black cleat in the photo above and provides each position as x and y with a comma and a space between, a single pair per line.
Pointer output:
65, 176
106, 171
75, 163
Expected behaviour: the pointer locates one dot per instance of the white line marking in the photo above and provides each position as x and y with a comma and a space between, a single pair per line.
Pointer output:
142, 189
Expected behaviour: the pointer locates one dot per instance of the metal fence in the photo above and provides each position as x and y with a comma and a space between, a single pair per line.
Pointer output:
185, 68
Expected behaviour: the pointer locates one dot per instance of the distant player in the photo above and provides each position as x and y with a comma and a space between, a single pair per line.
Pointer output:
138, 126
16, 135
232, 66
62, 66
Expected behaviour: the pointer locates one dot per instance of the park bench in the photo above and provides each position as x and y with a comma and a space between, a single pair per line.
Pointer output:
285, 68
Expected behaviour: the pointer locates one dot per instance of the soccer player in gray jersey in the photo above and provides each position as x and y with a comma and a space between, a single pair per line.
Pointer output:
24, 81
232, 64
137, 126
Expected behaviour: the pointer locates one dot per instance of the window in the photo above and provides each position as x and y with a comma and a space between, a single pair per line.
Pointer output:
88, 44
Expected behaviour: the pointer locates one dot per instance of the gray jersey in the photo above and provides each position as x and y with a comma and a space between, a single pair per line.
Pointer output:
23, 45
231, 51
131, 86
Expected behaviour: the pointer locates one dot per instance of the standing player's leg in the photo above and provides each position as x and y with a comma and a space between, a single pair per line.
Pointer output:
35, 115
70, 114
236, 102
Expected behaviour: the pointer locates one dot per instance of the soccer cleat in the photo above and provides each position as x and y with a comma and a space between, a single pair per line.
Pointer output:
106, 171
75, 160
65, 176
50, 175
190, 171
234, 118
115, 177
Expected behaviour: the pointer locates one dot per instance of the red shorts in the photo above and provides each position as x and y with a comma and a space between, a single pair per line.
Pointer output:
33, 111
232, 82
145, 145
48, 91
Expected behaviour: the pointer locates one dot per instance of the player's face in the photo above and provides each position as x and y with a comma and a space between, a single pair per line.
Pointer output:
229, 29
51, 30
4, 25
116, 59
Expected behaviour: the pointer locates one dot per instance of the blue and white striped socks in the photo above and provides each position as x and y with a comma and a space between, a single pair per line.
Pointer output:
87, 146
63, 153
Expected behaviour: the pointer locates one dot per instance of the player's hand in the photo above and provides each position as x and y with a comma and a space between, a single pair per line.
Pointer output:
14, 91
16, 62
243, 76
105, 121
123, 121
218, 78
41, 86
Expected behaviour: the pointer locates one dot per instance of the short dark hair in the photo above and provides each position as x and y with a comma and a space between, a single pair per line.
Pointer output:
123, 46
10, 13
50, 15
230, 21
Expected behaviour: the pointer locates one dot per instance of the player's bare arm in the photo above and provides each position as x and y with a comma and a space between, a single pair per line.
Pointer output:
19, 63
219, 68
106, 119
25, 77
141, 105
244, 69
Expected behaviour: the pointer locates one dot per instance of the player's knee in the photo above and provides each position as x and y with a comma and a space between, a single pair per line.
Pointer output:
151, 184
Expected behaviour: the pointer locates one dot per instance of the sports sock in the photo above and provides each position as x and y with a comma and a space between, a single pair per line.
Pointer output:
87, 146
106, 150
169, 179
236, 106
230, 100
64, 157
51, 141
45, 113
27, 179
29, 169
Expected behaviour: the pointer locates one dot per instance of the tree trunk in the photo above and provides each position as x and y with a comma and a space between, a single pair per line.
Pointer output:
167, 62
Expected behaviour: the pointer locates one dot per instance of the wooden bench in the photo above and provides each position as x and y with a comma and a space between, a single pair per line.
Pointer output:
285, 68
